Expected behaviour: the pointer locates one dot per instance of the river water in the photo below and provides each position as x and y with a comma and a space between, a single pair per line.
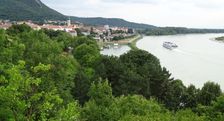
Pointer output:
197, 59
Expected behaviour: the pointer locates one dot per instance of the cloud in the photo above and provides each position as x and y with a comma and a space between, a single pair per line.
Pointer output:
188, 13
132, 1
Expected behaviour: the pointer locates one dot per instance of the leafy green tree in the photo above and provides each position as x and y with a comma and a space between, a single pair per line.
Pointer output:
191, 96
175, 99
21, 98
87, 55
83, 40
52, 33
154, 77
209, 92
18, 29
39, 48
188, 115
79, 33
150, 117
101, 106
219, 104
63, 72
82, 85
11, 50
136, 107
69, 113
113, 69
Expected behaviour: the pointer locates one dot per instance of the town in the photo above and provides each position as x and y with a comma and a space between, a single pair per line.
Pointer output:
103, 34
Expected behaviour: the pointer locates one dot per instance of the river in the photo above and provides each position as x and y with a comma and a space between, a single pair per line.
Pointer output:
197, 59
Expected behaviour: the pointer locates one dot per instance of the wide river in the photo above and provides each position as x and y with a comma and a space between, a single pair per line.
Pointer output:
197, 59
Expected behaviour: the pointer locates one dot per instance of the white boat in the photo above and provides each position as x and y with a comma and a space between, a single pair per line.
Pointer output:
116, 44
169, 45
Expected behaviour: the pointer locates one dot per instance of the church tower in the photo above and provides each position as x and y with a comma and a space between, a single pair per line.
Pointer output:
69, 22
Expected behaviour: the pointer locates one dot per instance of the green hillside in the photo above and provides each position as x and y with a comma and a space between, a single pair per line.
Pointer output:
27, 10
38, 11
112, 22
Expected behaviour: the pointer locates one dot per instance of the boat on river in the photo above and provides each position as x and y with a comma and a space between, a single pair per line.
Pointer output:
169, 45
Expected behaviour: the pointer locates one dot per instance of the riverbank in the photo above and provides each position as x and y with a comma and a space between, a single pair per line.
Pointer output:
131, 42
220, 39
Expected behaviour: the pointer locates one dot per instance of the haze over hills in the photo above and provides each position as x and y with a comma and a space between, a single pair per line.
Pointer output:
112, 22
37, 11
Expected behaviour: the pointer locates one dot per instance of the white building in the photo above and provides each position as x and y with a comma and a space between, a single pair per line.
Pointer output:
69, 22
107, 27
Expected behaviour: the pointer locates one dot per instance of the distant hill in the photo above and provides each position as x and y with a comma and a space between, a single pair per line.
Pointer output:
37, 11
112, 22
27, 10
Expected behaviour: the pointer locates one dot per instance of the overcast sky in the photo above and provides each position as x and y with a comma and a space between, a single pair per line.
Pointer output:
185, 13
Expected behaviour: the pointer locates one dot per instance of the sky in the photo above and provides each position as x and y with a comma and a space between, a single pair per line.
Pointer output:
179, 13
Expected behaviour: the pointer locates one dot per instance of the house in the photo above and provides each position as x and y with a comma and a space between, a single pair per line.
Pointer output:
5, 25
30, 23
73, 33
52, 27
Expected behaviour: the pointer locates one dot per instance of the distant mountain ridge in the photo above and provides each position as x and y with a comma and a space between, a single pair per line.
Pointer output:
37, 11
27, 10
112, 22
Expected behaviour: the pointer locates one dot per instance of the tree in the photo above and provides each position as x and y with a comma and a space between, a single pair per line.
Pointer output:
101, 106
209, 92
11, 50
69, 113
219, 104
87, 55
138, 108
82, 85
62, 74
18, 29
153, 76
21, 98
188, 115
83, 40
79, 33
39, 48
191, 96
175, 99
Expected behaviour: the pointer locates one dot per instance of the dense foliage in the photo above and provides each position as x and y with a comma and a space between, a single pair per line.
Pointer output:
51, 76
177, 30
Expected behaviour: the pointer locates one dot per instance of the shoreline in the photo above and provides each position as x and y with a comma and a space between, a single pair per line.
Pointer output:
131, 42
219, 39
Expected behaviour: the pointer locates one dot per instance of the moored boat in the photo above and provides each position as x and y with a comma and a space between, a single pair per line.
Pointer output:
116, 44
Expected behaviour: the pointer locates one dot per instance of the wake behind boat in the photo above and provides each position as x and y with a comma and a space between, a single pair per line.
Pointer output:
169, 45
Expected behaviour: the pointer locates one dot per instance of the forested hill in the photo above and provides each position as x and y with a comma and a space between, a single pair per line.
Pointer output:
112, 22
27, 10
38, 11
178, 30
